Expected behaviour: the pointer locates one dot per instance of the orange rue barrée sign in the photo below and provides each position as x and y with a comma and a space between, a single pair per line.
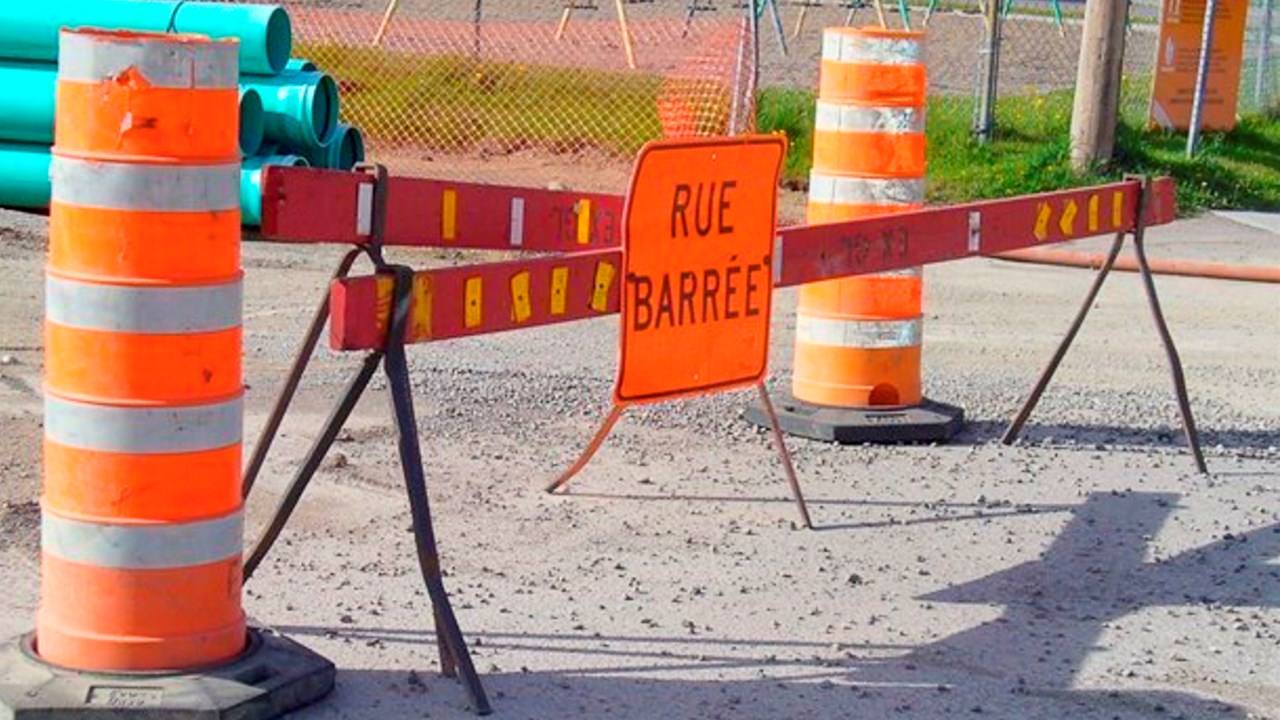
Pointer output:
698, 238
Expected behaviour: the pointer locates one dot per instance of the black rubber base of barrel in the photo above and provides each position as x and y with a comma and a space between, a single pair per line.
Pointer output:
928, 422
274, 676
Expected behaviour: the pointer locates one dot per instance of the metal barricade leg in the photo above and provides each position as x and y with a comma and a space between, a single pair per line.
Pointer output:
455, 659
1171, 351
1046, 376
300, 362
307, 470
1162, 329
449, 634
785, 455
601, 435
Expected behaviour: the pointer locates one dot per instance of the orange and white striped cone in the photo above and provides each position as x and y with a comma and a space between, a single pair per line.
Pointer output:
142, 530
857, 373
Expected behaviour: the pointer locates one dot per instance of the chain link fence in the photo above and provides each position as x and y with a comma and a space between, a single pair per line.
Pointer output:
1038, 66
1260, 76
563, 93
1039, 50
530, 92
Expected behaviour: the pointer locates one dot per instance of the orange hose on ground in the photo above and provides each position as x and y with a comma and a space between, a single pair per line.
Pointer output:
1186, 268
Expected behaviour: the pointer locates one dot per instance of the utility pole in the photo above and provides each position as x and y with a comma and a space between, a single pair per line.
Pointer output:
1097, 103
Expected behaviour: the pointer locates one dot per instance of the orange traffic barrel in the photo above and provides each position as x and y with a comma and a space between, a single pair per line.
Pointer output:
142, 524
856, 373
858, 339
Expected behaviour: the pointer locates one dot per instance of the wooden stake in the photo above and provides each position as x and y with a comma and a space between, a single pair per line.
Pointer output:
928, 12
804, 10
1097, 100
626, 34
884, 21
386, 22
564, 19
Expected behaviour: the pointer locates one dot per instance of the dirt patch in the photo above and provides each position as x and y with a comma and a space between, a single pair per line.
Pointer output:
20, 231
20, 526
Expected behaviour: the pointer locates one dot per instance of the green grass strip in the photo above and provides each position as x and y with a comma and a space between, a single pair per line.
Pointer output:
1031, 152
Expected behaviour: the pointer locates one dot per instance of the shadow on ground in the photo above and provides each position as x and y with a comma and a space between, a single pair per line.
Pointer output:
984, 431
1022, 664
393, 695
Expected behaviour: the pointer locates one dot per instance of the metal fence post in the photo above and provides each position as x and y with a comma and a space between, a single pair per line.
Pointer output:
739, 84
1261, 87
988, 88
755, 48
1202, 77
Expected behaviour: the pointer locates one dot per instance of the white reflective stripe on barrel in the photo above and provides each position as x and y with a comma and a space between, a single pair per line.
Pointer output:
93, 58
862, 334
144, 310
143, 430
836, 190
142, 546
836, 117
911, 272
155, 188
848, 47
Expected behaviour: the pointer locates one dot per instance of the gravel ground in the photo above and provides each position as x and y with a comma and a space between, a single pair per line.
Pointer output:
1088, 573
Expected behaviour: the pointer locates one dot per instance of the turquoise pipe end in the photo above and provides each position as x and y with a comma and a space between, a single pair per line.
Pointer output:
349, 148
279, 39
301, 65
253, 122
342, 152
302, 108
324, 108
251, 184
265, 31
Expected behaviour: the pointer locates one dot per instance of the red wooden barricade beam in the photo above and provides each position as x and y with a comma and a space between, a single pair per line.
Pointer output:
478, 299
308, 206
496, 297
891, 242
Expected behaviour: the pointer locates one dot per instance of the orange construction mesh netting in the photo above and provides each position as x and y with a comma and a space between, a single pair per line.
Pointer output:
530, 91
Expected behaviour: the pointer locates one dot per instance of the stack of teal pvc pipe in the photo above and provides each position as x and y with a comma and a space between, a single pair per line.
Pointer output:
288, 107
299, 127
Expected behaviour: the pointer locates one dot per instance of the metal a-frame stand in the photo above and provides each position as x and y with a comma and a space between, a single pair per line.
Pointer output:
455, 659
1162, 328
767, 411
